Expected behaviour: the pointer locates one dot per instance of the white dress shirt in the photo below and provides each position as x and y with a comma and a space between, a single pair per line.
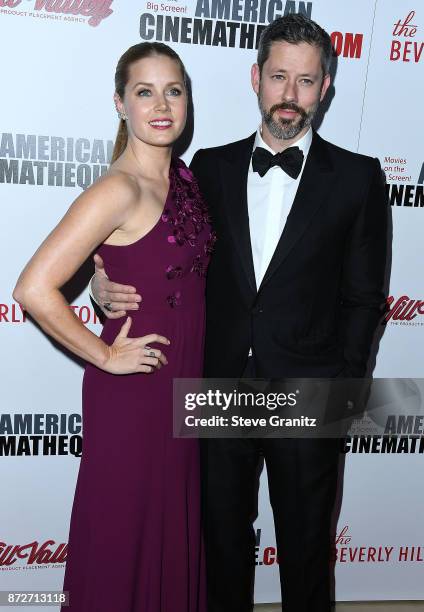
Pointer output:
269, 201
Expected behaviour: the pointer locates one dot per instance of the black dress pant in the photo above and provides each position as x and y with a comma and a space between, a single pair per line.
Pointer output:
302, 480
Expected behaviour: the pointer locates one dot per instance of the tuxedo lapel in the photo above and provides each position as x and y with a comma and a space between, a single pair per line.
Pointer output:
311, 195
234, 180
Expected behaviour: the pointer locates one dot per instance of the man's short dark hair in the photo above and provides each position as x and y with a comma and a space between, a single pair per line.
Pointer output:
294, 29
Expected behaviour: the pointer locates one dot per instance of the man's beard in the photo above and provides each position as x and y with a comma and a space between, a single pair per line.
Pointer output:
286, 129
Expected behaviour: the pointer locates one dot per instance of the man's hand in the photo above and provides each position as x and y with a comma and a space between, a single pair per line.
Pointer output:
119, 298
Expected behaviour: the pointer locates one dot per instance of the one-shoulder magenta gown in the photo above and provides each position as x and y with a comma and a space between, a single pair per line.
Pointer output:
135, 540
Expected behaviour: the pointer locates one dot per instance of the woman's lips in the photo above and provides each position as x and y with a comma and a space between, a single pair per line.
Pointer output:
160, 124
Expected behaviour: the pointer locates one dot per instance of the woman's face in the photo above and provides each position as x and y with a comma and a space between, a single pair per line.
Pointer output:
155, 100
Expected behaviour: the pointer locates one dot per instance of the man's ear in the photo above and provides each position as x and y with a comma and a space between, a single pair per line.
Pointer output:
325, 85
255, 77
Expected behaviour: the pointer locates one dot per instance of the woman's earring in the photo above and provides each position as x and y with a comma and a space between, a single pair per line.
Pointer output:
122, 115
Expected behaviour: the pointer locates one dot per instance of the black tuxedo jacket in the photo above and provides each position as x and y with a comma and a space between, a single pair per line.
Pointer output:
320, 301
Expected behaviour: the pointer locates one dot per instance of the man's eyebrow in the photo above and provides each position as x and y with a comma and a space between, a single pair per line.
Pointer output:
306, 74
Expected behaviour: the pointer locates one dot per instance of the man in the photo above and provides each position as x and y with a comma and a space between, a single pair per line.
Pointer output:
294, 289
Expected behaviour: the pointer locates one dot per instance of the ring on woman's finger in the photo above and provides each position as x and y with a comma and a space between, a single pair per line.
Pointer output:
151, 351
107, 306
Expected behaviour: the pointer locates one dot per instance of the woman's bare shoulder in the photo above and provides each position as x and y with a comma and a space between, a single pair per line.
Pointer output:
118, 186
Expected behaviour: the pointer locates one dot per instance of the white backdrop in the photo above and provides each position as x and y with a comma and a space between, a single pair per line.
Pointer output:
57, 126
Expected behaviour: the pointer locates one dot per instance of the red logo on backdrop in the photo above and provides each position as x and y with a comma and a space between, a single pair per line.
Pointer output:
34, 553
404, 309
348, 44
267, 556
345, 552
14, 313
403, 47
72, 10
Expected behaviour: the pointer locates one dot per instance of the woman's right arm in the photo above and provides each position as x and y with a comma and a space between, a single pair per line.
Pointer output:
93, 216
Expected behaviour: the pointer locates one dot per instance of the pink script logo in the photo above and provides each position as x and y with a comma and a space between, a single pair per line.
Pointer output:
96, 10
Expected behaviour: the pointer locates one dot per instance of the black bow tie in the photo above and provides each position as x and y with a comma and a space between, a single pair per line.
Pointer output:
290, 160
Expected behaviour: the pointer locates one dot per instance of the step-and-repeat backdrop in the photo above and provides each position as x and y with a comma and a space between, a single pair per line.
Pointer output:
57, 126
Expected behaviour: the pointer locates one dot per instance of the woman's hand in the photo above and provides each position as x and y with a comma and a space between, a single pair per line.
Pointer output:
132, 355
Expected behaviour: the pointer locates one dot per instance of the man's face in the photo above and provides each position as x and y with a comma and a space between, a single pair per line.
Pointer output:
290, 88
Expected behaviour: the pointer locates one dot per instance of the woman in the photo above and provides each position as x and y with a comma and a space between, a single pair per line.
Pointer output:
135, 541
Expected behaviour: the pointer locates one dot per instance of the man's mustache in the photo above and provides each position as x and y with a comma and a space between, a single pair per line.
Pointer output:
288, 106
